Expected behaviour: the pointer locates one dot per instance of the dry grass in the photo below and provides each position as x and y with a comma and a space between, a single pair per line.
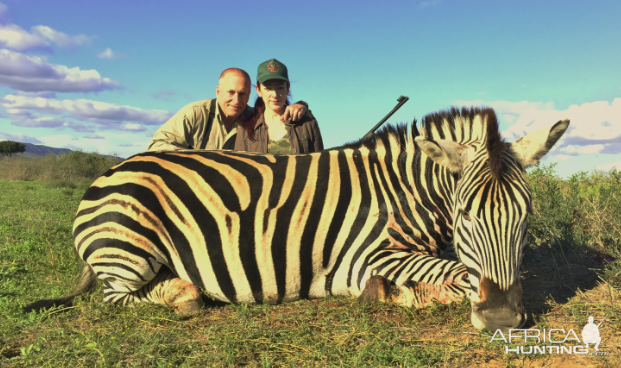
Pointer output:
330, 332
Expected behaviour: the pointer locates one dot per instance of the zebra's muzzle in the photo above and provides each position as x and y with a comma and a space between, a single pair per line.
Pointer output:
497, 308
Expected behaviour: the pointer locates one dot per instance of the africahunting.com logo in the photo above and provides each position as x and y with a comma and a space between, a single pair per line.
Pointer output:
553, 341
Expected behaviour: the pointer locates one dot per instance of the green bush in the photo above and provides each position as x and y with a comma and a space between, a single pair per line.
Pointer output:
75, 167
78, 164
584, 209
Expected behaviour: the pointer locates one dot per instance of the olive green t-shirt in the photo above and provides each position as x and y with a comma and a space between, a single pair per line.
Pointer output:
279, 147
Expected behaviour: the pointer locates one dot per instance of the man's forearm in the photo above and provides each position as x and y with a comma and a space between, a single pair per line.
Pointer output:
162, 145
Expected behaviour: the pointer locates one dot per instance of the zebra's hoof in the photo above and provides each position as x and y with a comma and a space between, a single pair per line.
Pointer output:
190, 307
375, 290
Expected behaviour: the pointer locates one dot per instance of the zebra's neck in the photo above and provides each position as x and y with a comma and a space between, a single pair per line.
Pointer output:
414, 193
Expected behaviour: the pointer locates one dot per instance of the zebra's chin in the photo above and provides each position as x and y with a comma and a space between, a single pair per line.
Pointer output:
498, 309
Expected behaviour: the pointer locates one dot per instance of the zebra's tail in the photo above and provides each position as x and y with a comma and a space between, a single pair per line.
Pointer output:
86, 282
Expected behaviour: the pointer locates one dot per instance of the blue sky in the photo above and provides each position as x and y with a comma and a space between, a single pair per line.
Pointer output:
105, 75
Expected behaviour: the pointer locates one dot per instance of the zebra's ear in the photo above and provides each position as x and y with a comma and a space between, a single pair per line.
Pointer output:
531, 147
452, 155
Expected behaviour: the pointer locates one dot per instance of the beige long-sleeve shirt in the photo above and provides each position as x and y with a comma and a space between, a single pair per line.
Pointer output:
190, 128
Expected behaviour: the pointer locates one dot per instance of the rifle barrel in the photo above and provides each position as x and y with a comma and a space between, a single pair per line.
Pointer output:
401, 100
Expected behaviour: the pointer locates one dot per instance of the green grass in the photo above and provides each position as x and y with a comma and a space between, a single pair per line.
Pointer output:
570, 272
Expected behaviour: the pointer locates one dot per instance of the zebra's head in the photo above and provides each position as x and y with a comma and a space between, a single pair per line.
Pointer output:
491, 202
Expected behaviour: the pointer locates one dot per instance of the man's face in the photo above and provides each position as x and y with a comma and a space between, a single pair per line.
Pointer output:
233, 93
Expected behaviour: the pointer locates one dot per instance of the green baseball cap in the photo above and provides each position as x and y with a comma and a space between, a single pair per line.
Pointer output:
272, 69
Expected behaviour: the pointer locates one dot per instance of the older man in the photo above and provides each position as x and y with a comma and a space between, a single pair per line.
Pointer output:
212, 124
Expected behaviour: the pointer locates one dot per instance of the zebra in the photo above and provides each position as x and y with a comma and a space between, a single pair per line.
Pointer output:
407, 216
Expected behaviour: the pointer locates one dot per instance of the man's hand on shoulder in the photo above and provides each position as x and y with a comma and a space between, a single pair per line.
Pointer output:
294, 113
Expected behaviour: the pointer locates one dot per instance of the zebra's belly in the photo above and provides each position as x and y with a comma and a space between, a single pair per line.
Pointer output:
269, 292
265, 278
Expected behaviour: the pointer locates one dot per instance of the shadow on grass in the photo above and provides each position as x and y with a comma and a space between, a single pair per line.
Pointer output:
211, 303
555, 274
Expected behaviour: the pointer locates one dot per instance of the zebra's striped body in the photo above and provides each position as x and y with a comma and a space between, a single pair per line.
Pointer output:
269, 229
252, 228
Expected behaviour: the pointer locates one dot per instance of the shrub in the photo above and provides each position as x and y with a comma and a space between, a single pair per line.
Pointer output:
67, 192
75, 166
78, 164
584, 209
58, 184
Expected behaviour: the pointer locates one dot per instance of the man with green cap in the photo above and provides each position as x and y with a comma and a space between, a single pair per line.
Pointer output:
269, 130
212, 124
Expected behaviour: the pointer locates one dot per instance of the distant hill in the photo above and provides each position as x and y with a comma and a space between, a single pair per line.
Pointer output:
40, 150
33, 150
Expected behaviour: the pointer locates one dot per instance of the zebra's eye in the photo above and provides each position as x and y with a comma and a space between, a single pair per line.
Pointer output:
466, 216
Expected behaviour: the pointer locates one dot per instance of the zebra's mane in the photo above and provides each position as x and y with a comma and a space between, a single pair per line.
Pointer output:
400, 131
476, 126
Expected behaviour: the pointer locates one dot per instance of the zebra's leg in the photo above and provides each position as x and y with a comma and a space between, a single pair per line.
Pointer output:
376, 289
414, 280
165, 288
410, 294
420, 295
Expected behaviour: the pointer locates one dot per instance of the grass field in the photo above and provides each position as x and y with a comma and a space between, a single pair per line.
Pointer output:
570, 271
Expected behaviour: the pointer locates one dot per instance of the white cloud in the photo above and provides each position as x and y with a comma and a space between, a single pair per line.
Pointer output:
102, 115
58, 141
42, 121
110, 55
60, 38
19, 138
579, 150
44, 94
165, 94
608, 167
16, 113
36, 74
425, 4
109, 143
595, 127
132, 127
15, 37
24, 118
94, 136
